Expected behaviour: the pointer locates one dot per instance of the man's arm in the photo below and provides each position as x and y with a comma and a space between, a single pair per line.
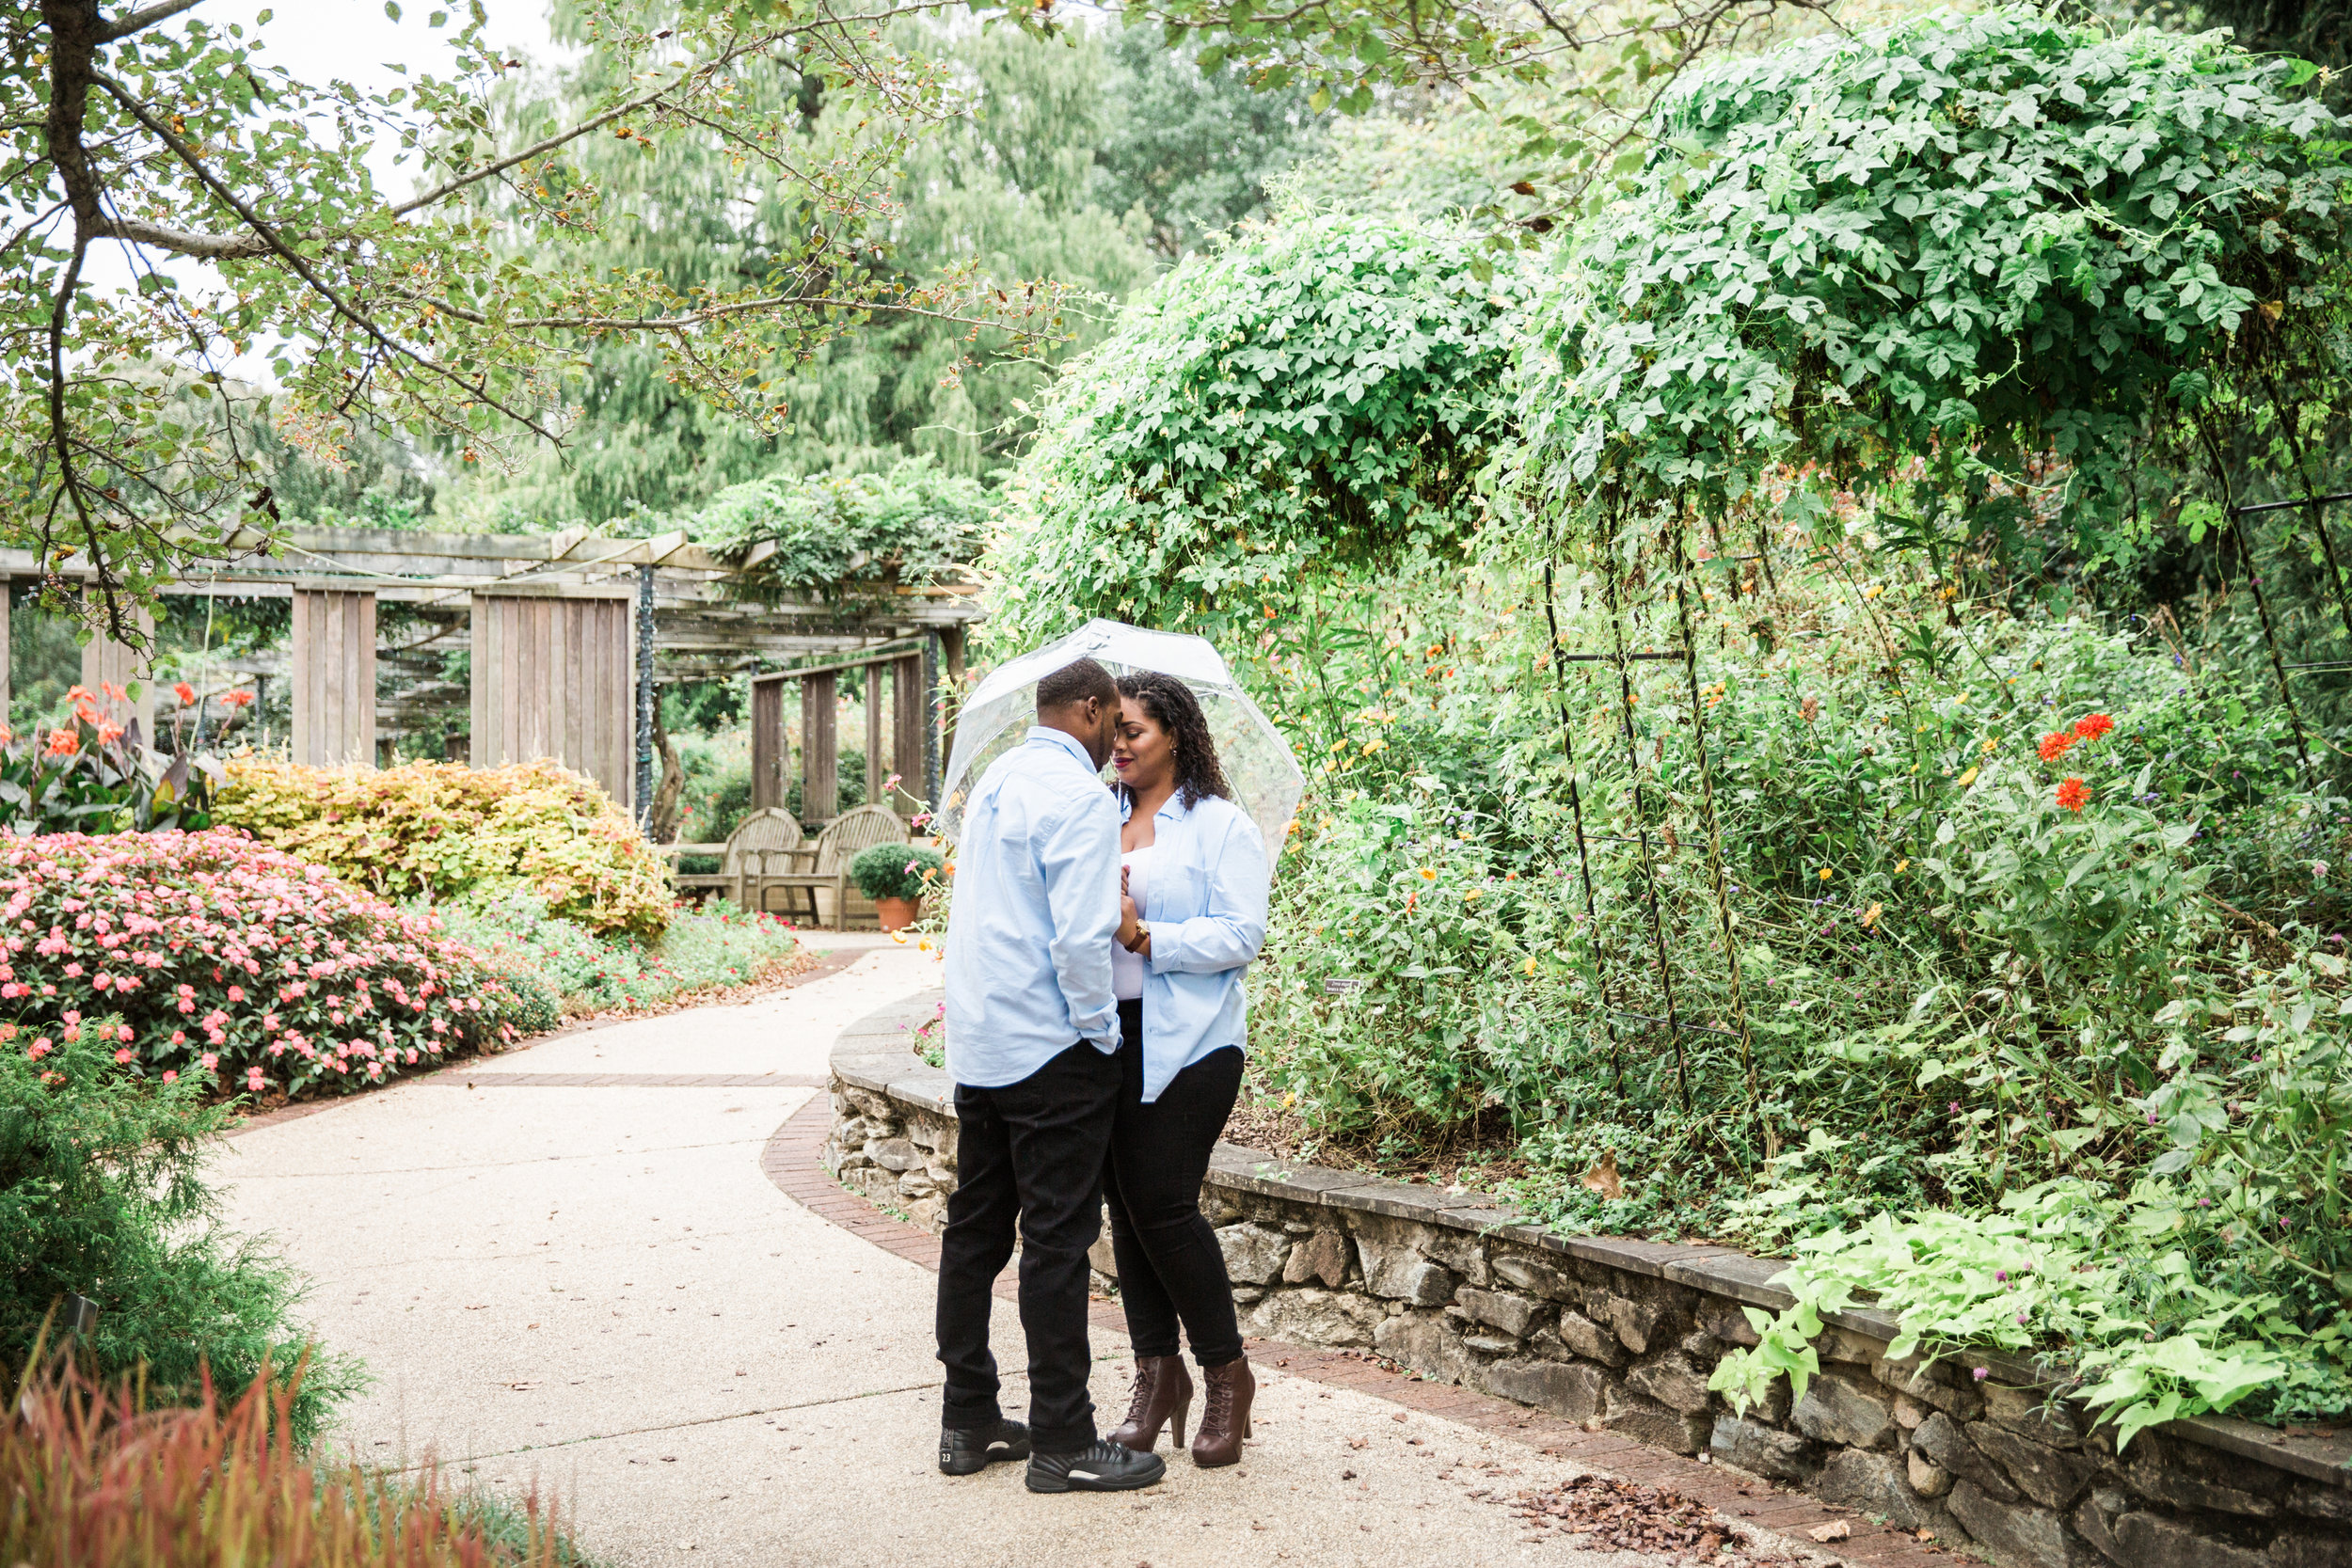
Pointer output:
1077, 857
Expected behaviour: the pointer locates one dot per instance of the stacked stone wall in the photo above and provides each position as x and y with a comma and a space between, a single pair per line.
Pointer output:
1624, 1335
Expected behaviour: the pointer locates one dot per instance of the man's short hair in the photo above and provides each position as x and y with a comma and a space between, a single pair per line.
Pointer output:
1074, 682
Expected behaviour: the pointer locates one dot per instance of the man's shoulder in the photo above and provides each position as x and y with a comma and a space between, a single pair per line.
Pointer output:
1052, 778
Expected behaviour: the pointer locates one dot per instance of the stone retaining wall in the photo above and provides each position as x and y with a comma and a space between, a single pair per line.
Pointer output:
1623, 1335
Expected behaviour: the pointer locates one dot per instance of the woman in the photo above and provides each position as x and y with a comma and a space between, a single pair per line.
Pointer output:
1193, 913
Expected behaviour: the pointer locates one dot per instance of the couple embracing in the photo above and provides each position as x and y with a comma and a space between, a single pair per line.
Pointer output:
1095, 1024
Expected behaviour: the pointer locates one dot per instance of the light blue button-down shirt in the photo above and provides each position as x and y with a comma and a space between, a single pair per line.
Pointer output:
1207, 909
1036, 911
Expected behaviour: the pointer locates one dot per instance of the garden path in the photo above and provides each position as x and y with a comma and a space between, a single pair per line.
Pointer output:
596, 1291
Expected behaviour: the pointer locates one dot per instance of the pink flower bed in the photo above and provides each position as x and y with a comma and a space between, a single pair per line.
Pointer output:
208, 953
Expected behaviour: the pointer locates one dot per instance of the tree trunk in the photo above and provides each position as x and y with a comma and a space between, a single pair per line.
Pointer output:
662, 822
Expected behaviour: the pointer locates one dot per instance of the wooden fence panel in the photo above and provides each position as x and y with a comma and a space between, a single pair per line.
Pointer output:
332, 666
821, 777
552, 678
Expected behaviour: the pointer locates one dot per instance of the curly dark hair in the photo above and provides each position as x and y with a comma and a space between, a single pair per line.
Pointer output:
1176, 710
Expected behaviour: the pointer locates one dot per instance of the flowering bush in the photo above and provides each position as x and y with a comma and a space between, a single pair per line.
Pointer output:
206, 954
445, 831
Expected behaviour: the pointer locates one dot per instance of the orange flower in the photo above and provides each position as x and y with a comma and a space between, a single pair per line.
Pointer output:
2056, 745
2072, 794
185, 693
240, 698
108, 732
114, 693
2090, 726
64, 743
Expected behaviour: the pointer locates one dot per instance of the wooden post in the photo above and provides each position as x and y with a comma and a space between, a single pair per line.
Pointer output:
821, 793
767, 747
554, 676
332, 664
106, 662
951, 697
875, 772
908, 714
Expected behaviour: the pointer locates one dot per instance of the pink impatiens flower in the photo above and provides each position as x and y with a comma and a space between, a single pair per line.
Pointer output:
122, 1055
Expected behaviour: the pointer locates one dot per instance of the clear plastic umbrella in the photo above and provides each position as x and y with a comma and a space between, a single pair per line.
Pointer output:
1257, 763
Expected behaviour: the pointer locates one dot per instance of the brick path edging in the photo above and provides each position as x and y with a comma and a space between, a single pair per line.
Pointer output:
792, 1159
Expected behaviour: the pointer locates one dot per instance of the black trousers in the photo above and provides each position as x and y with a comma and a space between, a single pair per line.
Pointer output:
1170, 1267
1028, 1154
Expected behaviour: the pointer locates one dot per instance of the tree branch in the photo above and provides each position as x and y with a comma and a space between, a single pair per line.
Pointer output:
140, 21
301, 268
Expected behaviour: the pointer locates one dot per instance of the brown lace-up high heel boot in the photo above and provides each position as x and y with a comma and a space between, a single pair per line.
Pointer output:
1226, 1422
1163, 1391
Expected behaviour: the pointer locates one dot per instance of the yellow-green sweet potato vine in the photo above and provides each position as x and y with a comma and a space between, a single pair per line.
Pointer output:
449, 831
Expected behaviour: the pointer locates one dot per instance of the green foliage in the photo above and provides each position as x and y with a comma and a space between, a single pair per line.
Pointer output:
897, 870
847, 535
1992, 241
1318, 394
2104, 1282
1194, 151
713, 948
446, 832
103, 1195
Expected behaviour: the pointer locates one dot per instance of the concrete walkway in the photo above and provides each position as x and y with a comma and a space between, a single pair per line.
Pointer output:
594, 1290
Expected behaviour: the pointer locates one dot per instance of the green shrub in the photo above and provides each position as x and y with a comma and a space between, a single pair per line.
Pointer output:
103, 1195
707, 949
895, 870
448, 832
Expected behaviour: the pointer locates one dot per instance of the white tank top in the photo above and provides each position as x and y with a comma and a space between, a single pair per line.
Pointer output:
1128, 969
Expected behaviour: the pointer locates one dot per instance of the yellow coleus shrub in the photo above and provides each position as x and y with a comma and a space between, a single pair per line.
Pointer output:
446, 831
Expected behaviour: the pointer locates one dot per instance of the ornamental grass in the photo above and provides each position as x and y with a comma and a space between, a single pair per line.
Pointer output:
95, 1478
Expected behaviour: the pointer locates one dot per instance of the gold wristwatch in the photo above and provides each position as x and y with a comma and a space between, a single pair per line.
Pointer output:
1143, 934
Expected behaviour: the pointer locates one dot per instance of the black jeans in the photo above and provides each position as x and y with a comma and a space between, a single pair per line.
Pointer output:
1170, 1264
1029, 1152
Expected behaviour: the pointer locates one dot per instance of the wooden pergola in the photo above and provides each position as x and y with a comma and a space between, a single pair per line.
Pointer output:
569, 636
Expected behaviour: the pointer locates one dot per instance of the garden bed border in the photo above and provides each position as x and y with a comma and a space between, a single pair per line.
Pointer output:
1411, 1272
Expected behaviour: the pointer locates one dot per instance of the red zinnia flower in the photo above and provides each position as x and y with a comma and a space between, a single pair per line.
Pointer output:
2090, 726
2072, 793
2056, 745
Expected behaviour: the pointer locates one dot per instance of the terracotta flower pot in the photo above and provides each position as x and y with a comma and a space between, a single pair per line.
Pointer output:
896, 914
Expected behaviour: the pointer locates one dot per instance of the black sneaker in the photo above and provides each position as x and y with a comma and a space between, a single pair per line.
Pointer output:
1100, 1467
969, 1451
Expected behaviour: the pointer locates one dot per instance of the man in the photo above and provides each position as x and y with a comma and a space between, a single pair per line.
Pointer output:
1032, 1044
